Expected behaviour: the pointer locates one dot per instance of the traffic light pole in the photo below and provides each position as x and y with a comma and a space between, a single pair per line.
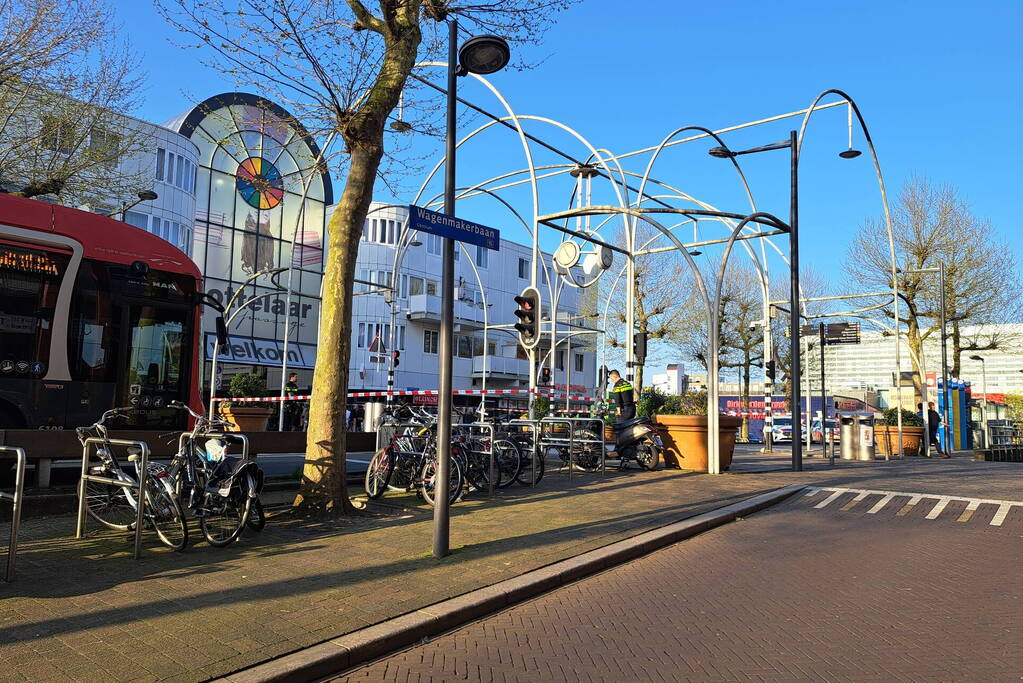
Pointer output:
796, 374
441, 520
824, 393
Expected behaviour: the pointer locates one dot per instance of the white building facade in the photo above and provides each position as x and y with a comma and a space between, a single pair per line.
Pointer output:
871, 363
484, 295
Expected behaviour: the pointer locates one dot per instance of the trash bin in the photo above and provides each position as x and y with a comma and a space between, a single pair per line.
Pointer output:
848, 436
865, 434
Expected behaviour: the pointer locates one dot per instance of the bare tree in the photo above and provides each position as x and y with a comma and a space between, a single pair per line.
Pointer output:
664, 301
934, 224
65, 84
341, 68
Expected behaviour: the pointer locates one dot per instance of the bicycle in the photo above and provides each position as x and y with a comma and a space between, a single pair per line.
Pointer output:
221, 491
409, 462
116, 507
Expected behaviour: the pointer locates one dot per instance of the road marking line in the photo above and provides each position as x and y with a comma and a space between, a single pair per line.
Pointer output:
859, 496
830, 499
880, 504
908, 507
938, 508
812, 490
968, 512
999, 517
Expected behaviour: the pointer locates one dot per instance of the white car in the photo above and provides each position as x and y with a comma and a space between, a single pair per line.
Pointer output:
781, 430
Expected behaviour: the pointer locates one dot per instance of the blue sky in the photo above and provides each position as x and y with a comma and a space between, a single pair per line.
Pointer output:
937, 82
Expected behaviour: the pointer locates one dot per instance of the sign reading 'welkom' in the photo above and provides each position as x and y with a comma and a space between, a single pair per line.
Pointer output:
453, 228
256, 351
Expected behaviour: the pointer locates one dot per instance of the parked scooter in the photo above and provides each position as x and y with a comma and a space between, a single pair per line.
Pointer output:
636, 440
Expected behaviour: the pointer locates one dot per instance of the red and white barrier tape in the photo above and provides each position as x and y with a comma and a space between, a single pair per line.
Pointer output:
418, 392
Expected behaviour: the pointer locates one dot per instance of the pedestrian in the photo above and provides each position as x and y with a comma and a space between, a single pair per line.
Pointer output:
623, 395
933, 422
292, 410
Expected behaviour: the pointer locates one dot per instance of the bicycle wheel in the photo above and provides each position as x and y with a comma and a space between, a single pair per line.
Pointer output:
222, 518
475, 467
111, 506
587, 451
378, 473
509, 462
164, 512
532, 465
428, 480
257, 517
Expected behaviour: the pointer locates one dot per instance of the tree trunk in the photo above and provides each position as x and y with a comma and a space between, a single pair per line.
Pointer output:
323, 487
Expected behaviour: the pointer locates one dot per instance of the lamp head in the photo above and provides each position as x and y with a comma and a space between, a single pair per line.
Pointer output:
720, 153
695, 252
415, 243
484, 54
147, 195
850, 153
977, 358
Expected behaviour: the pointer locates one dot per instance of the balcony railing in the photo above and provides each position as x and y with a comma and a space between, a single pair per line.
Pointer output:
498, 366
426, 307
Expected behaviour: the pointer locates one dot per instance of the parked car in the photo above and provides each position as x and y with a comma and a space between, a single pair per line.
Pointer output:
830, 425
781, 430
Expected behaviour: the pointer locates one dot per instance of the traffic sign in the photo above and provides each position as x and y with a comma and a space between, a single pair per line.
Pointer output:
453, 228
842, 333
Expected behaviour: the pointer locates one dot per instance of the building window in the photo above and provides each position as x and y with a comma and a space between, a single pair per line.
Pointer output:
362, 336
403, 287
431, 287
160, 156
433, 245
559, 359
57, 135
482, 257
139, 220
578, 362
401, 338
170, 167
430, 341
103, 146
415, 286
523, 269
463, 344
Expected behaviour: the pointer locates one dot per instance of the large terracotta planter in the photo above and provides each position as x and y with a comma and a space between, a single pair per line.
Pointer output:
246, 418
886, 440
685, 440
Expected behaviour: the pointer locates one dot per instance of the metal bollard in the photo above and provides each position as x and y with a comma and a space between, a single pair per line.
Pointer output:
16, 499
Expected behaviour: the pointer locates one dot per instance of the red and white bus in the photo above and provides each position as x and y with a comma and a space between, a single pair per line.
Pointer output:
94, 313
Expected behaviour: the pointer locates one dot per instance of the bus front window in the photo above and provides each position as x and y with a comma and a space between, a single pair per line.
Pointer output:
157, 347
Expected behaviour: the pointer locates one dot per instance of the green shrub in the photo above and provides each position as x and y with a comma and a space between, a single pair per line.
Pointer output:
650, 401
890, 417
541, 407
247, 385
690, 403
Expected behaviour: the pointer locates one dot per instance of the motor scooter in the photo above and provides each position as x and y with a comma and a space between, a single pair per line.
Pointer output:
636, 440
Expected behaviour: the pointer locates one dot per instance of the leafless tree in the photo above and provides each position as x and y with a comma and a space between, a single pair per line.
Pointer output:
933, 224
66, 82
341, 67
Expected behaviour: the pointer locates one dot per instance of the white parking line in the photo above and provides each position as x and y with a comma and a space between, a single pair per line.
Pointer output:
830, 499
938, 508
880, 504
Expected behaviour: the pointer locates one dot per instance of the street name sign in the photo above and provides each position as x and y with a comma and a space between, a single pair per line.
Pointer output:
842, 333
453, 228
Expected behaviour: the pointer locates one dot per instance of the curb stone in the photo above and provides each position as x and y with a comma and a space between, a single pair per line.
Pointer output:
359, 647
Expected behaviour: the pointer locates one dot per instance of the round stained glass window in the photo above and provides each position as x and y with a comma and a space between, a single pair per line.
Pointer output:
259, 183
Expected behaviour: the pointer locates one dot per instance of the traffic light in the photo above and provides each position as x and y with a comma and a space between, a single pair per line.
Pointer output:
769, 370
396, 355
639, 347
527, 312
545, 376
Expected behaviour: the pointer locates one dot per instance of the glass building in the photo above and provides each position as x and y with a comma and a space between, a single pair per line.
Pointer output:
260, 195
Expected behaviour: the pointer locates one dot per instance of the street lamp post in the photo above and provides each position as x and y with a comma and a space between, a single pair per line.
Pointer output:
983, 374
479, 55
143, 196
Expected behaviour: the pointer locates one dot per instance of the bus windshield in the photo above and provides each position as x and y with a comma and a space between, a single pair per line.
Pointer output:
30, 280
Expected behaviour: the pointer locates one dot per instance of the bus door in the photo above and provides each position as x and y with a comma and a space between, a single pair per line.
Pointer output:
157, 358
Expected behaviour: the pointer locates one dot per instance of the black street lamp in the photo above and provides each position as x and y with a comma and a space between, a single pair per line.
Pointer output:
143, 196
792, 144
983, 374
480, 55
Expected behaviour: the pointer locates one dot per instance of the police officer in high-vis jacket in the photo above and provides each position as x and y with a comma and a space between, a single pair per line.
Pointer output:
623, 395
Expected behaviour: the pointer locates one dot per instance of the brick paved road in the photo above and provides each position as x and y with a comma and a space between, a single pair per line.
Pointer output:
847, 591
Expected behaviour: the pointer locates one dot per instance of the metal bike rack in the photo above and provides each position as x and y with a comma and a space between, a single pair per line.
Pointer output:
143, 472
546, 438
489, 428
218, 435
534, 427
16, 498
600, 432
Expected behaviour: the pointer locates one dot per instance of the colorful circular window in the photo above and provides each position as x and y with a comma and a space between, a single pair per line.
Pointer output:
260, 183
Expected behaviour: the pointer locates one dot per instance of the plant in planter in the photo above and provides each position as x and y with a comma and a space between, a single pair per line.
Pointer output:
683, 423
246, 416
886, 433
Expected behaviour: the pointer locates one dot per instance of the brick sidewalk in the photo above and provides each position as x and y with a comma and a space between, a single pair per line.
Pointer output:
83, 610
